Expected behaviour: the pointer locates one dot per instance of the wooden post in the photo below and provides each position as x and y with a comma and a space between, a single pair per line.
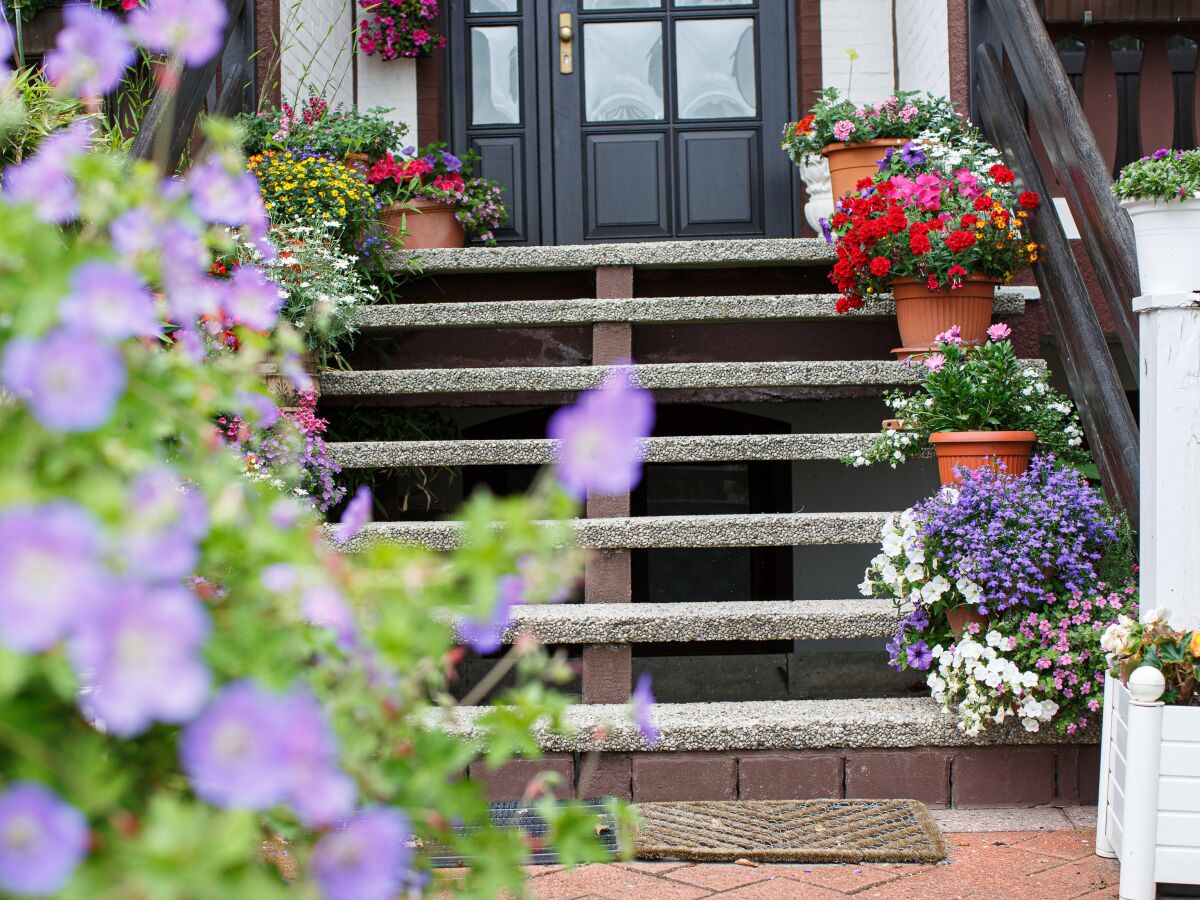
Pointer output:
608, 575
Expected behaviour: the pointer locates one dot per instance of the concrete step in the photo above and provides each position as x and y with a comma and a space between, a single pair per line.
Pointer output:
770, 725
648, 310
644, 255
540, 451
644, 532
762, 620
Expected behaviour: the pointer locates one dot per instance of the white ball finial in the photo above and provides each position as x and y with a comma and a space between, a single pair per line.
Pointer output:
1147, 684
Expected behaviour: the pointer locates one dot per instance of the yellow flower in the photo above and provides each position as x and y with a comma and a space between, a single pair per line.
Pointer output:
1031, 247
1194, 644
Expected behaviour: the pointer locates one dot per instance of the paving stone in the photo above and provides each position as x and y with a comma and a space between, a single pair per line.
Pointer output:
1003, 776
1071, 845
1081, 816
889, 774
1043, 818
780, 888
790, 776
848, 879
721, 877
673, 776
615, 882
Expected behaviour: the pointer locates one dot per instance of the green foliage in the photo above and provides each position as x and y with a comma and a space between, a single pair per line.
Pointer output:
1153, 642
1173, 175
338, 132
30, 109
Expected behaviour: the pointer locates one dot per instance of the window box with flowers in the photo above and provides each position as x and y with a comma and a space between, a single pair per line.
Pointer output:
1148, 814
854, 138
434, 201
939, 224
1161, 193
399, 29
978, 406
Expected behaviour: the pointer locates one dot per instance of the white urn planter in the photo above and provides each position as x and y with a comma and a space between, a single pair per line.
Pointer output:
1149, 805
815, 174
1167, 234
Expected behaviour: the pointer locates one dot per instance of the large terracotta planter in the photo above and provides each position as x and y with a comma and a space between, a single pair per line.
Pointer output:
431, 225
849, 163
962, 616
976, 449
922, 314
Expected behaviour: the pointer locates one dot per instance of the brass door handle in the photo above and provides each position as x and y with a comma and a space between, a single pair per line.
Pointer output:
566, 39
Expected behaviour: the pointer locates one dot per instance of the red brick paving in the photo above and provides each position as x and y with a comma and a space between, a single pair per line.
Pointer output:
1027, 865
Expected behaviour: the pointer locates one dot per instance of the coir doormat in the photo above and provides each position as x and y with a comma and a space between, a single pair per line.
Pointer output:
801, 831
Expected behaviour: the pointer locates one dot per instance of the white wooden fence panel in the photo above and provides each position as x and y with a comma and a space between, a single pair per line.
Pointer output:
1182, 724
1179, 829
1176, 865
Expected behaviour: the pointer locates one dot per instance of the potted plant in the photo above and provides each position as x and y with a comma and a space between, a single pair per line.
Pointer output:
434, 201
399, 29
996, 546
939, 224
1150, 755
979, 406
1161, 193
854, 138
347, 134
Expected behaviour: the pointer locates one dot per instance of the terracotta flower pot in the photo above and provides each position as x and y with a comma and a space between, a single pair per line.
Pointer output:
976, 449
431, 225
923, 314
848, 163
358, 159
962, 616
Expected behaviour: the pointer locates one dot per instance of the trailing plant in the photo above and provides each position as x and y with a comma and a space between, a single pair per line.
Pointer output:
399, 28
1163, 175
1130, 643
30, 110
983, 388
315, 128
833, 119
433, 173
940, 210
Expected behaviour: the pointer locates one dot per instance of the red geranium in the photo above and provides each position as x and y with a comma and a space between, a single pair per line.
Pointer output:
1030, 200
969, 220
880, 266
958, 241
1002, 174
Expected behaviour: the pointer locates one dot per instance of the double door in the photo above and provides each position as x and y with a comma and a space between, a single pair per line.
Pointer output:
617, 120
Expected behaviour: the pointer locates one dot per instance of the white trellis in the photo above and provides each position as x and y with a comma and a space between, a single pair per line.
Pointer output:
1149, 804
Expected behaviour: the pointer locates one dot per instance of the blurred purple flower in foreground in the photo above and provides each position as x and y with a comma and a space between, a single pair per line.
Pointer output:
252, 299
91, 52
138, 654
111, 301
316, 789
42, 840
486, 635
49, 571
366, 859
323, 606
44, 179
70, 379
168, 518
642, 702
598, 450
190, 28
355, 516
6, 49
221, 196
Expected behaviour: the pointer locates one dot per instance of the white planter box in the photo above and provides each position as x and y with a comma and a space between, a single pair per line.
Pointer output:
1167, 234
1149, 805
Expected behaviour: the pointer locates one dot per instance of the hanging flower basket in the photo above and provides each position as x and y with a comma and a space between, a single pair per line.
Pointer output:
399, 29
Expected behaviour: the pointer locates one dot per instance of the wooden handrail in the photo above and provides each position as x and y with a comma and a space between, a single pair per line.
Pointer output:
1088, 365
1072, 150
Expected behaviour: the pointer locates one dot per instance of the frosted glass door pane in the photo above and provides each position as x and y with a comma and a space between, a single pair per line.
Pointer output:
714, 67
714, 2
622, 4
493, 6
623, 71
495, 76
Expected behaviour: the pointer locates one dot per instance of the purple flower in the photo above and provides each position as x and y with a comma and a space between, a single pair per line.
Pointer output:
999, 332
486, 635
598, 437
279, 578
324, 607
6, 49
168, 520
91, 52
192, 29
258, 409
231, 753
642, 702
138, 654
919, 655
110, 300
251, 299
826, 230
316, 789
452, 162
44, 179
355, 516
221, 196
886, 161
366, 859
1162, 153
935, 362
912, 154
49, 572
134, 232
70, 380
42, 840
952, 335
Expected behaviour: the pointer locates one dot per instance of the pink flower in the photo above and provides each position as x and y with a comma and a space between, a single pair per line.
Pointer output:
999, 332
843, 129
968, 184
929, 192
953, 335
935, 362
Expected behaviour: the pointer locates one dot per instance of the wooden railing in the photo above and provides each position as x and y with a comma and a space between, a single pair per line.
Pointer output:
1009, 35
224, 86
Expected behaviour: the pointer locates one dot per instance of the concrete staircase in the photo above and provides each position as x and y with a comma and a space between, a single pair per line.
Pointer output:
779, 692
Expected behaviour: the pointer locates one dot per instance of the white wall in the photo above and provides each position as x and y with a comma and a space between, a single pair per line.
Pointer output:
922, 46
318, 50
390, 83
864, 26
